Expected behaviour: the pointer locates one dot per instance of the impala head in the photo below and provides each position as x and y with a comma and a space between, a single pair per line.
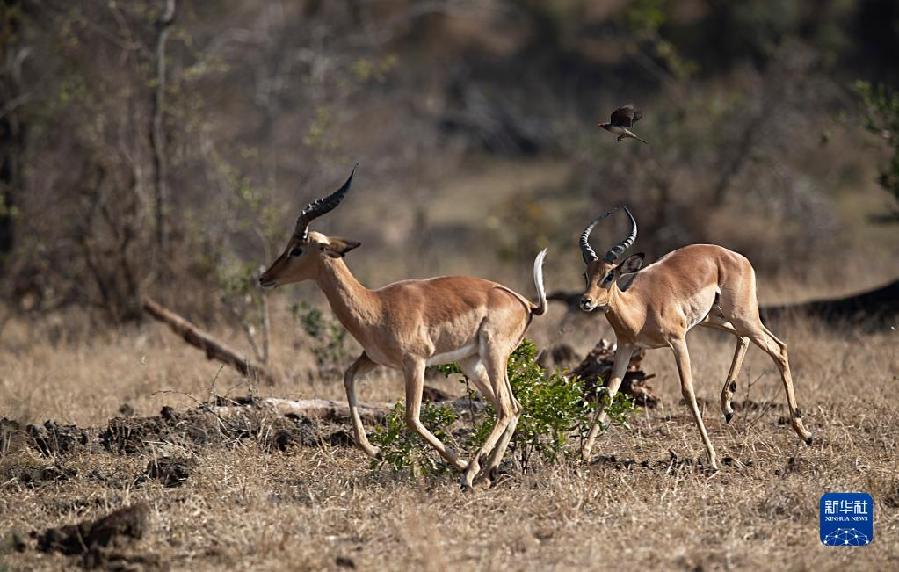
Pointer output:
602, 274
307, 250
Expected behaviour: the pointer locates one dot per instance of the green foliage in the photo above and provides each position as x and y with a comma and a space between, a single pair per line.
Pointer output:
402, 448
552, 404
329, 335
645, 19
554, 408
881, 108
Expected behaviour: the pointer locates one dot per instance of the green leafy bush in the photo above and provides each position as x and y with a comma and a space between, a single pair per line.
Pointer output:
554, 410
402, 448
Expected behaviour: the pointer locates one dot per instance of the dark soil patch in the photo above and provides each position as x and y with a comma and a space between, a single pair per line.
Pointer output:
52, 438
170, 471
92, 539
37, 476
672, 465
203, 427
246, 418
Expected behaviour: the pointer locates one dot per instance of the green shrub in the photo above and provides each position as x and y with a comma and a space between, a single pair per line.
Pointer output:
554, 409
402, 448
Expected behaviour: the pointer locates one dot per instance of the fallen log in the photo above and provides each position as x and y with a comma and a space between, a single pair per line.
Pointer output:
325, 409
202, 340
320, 409
877, 308
596, 367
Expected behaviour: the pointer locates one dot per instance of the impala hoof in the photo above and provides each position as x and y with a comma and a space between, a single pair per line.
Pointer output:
809, 440
728, 415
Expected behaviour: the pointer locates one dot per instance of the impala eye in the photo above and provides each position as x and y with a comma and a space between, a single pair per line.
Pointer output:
296, 251
586, 279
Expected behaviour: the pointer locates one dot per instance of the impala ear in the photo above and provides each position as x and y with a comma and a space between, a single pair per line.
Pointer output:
337, 247
628, 269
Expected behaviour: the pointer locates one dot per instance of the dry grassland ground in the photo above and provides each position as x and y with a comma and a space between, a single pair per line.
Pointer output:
642, 505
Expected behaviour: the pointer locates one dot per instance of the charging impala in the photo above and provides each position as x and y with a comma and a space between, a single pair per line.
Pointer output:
411, 324
655, 306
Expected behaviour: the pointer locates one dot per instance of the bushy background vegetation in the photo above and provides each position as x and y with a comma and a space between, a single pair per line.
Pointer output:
474, 123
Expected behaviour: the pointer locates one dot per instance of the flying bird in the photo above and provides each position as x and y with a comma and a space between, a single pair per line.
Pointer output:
622, 119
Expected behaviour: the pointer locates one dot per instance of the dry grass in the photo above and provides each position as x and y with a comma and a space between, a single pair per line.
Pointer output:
309, 507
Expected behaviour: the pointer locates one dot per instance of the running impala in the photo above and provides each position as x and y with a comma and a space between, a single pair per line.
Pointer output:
411, 324
697, 285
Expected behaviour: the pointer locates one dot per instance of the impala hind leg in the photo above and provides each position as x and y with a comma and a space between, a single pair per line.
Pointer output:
506, 415
474, 369
763, 338
715, 320
360, 367
730, 384
682, 356
414, 371
619, 368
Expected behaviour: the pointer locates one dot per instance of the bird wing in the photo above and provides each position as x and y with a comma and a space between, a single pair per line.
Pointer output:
626, 116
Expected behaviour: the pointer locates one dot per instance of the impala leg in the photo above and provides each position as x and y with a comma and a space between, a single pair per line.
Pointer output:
496, 457
361, 366
730, 384
415, 383
682, 356
506, 412
474, 369
619, 368
763, 338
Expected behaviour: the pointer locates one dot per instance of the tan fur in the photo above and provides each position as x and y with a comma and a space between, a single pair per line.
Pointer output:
699, 284
413, 323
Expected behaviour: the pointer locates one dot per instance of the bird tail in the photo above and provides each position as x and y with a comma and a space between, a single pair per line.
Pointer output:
631, 134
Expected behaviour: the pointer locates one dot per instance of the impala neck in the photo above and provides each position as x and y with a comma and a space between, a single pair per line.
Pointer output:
356, 306
622, 314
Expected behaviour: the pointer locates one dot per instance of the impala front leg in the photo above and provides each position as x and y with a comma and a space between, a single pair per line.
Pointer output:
361, 366
619, 368
414, 370
682, 357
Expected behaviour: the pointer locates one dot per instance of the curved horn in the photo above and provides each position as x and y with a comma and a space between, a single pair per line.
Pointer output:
321, 206
587, 250
616, 251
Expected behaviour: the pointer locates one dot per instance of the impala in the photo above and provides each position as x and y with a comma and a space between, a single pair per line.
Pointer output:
412, 324
655, 307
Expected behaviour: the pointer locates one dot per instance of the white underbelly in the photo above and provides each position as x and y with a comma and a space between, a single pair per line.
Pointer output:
698, 307
453, 356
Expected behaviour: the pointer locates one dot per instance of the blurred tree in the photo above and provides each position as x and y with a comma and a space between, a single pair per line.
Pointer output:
157, 127
12, 127
881, 108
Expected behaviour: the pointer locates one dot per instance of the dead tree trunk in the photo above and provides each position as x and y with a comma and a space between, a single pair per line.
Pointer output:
157, 131
200, 339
